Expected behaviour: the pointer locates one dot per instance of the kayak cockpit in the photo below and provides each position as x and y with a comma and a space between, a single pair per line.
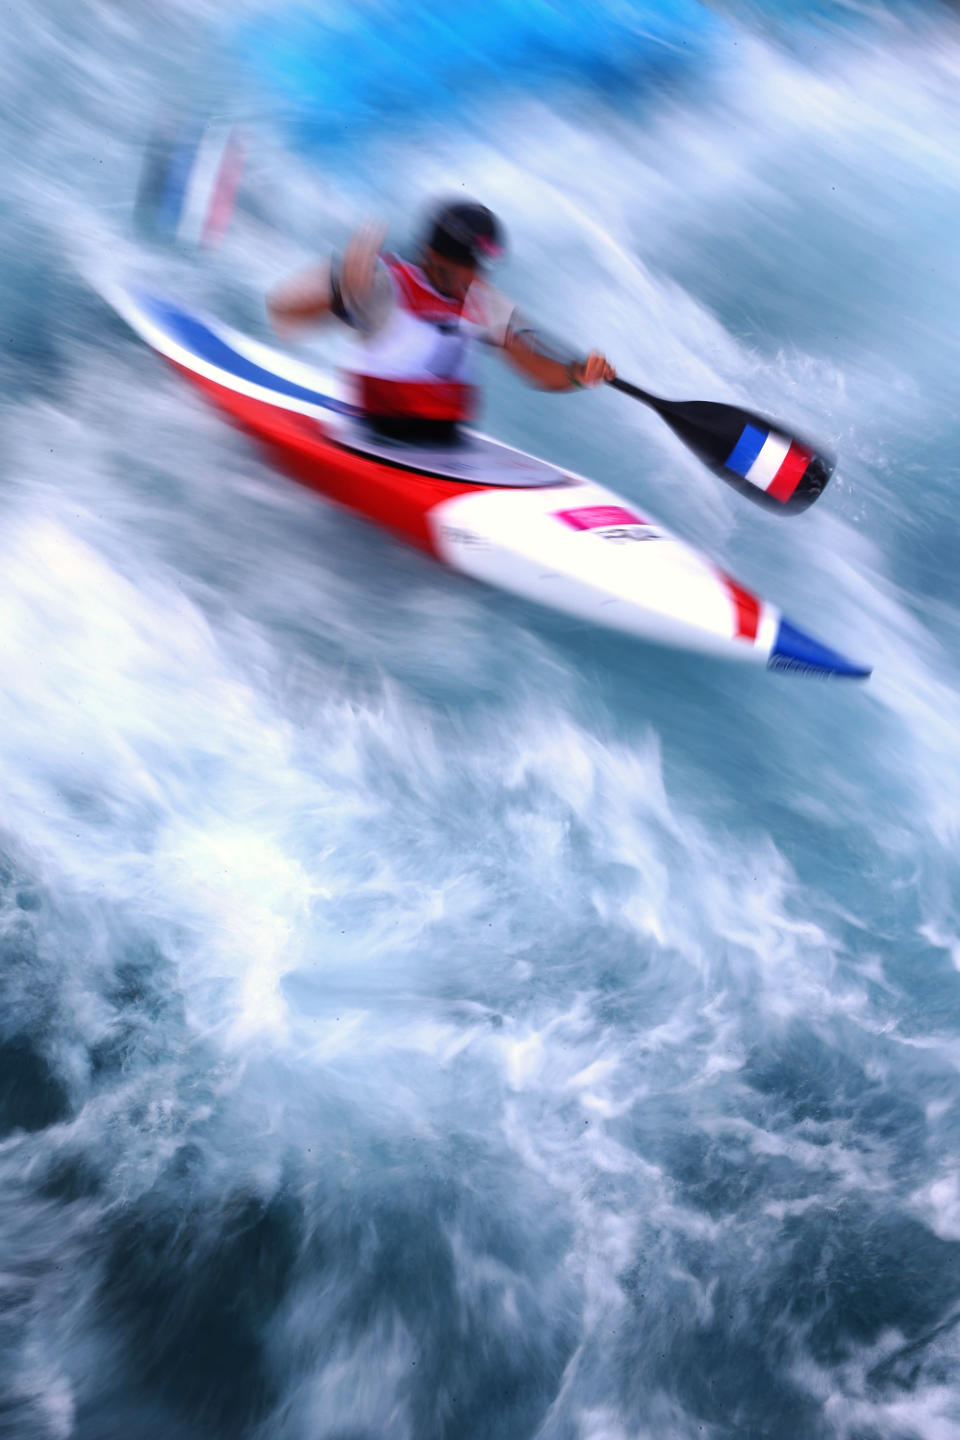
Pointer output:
236, 362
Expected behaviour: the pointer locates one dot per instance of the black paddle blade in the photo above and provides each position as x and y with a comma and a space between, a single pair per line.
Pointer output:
753, 454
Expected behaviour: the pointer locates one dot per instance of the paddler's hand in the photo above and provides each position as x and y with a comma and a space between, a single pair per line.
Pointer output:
360, 265
595, 370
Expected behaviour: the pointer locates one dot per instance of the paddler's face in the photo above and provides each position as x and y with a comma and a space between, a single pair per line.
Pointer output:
448, 276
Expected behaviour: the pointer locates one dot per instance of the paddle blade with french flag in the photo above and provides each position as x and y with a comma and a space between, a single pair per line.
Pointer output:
755, 455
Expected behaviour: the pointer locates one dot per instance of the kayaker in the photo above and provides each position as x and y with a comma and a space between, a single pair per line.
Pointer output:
418, 323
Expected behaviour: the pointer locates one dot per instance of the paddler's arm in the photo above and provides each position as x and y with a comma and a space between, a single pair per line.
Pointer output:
355, 290
302, 300
549, 373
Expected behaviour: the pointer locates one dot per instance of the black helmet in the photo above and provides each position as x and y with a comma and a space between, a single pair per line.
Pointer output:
464, 231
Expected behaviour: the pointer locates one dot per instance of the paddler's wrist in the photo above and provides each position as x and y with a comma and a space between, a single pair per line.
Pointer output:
573, 380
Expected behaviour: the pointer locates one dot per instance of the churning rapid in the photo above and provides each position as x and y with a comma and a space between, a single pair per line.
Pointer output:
425, 1018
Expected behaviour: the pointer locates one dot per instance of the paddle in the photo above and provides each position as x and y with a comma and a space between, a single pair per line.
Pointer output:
753, 454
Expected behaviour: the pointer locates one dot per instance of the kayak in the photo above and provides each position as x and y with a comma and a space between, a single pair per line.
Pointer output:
481, 507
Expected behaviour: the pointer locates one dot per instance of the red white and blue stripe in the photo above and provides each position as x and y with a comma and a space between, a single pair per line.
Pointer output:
190, 183
769, 460
211, 186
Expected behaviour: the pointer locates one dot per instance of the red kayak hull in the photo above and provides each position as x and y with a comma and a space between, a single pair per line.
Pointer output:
389, 495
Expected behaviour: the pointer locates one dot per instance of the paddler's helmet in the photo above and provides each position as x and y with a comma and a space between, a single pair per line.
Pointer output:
465, 232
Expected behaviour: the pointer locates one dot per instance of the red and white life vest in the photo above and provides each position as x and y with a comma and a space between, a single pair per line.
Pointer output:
419, 363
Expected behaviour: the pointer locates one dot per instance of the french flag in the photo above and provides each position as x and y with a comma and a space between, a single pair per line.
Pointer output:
189, 184
769, 460
211, 186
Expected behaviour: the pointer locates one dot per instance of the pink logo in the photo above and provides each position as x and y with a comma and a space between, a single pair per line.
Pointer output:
598, 517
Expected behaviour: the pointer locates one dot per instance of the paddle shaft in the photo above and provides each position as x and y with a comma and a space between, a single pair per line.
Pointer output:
627, 389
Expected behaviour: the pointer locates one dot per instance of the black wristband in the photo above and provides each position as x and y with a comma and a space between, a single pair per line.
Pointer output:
337, 306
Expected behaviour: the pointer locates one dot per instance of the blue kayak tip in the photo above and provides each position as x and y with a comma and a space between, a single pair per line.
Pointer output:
801, 654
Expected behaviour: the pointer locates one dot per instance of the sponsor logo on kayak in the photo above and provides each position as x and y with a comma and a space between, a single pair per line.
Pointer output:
598, 517
458, 536
628, 532
611, 522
